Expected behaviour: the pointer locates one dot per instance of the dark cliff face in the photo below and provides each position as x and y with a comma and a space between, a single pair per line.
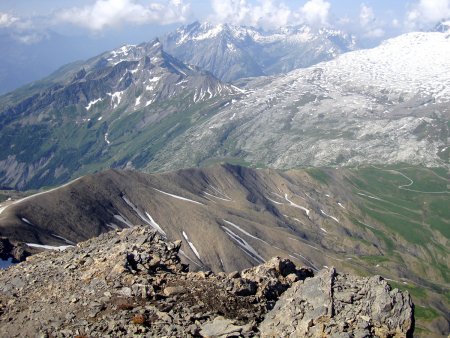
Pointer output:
133, 282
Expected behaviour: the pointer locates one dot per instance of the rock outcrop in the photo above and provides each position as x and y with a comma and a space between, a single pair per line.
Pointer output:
133, 283
335, 305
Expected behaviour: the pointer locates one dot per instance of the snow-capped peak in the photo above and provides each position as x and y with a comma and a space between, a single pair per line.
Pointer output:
443, 26
401, 64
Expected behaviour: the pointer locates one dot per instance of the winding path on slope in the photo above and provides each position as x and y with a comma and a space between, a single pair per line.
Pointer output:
411, 182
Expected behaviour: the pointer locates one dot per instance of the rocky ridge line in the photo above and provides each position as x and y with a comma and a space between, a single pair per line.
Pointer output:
132, 282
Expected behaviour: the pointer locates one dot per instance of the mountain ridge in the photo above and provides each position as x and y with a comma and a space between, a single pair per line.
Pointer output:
232, 52
377, 106
109, 101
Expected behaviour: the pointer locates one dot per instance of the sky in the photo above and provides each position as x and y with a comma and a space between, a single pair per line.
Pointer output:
377, 19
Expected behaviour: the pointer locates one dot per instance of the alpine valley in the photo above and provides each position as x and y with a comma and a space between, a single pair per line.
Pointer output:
245, 144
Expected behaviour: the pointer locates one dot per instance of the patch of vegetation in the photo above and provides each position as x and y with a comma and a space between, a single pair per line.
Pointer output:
411, 231
319, 175
415, 291
374, 259
425, 313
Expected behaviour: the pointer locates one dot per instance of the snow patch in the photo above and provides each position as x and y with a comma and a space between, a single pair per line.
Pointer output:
307, 211
49, 247
116, 98
193, 248
93, 102
64, 239
325, 214
178, 197
245, 232
123, 220
145, 217
27, 221
247, 248
138, 101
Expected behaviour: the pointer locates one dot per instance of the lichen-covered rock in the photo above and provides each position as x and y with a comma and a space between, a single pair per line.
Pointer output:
333, 305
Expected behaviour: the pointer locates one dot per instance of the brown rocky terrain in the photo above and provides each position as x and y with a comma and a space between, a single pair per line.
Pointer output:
132, 283
233, 218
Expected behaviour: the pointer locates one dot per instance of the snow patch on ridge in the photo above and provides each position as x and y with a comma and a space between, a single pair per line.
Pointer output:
178, 197
193, 248
49, 247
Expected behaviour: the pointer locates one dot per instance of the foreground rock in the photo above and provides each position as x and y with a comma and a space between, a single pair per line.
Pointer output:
343, 306
133, 283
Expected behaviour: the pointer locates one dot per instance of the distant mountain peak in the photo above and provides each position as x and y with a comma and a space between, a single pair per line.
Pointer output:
231, 52
443, 26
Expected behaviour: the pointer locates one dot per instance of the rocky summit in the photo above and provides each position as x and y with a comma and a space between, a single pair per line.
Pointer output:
132, 283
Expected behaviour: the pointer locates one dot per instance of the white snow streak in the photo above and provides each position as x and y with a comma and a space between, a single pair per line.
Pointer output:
146, 218
325, 214
178, 197
245, 232
193, 248
247, 248
93, 102
187, 257
38, 194
27, 221
123, 220
64, 239
155, 225
138, 101
49, 247
296, 205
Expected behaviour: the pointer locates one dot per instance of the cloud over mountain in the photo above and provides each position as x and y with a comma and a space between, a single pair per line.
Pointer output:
270, 13
110, 13
428, 11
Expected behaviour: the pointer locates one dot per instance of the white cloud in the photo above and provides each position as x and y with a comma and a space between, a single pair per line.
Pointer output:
110, 13
316, 12
269, 13
266, 13
371, 27
428, 12
7, 20
375, 33
366, 15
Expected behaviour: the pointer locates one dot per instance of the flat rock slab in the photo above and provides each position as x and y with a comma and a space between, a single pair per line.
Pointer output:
220, 327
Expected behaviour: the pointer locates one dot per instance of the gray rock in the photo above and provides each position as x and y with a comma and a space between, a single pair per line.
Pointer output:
220, 327
319, 305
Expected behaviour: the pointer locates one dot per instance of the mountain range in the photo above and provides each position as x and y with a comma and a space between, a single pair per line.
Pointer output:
244, 144
114, 109
138, 107
233, 52
384, 105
